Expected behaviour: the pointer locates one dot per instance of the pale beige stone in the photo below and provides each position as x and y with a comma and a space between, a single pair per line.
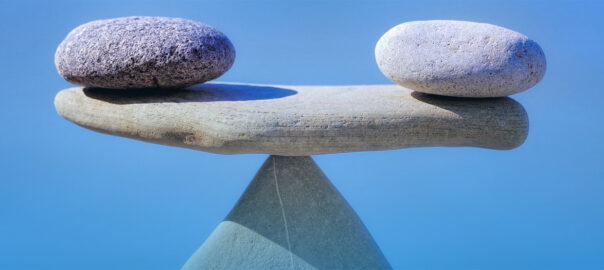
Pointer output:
460, 58
296, 120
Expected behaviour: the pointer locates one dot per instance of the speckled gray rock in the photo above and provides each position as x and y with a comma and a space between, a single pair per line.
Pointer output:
143, 52
457, 58
296, 120
290, 217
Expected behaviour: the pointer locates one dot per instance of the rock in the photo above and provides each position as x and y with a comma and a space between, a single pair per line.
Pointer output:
143, 52
462, 59
296, 120
290, 217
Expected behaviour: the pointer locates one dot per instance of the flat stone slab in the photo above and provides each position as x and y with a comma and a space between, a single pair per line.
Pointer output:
231, 118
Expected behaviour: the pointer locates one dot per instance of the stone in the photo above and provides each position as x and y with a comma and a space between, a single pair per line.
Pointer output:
290, 217
296, 120
143, 52
461, 59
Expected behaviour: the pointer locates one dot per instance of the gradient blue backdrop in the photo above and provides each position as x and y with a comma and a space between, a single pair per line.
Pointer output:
71, 198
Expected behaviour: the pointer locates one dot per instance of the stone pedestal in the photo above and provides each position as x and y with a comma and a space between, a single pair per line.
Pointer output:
290, 217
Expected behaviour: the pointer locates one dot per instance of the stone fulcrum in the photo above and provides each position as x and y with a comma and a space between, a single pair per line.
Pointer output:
457, 58
143, 52
290, 217
296, 120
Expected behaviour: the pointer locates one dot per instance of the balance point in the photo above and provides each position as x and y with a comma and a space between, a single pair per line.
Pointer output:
290, 217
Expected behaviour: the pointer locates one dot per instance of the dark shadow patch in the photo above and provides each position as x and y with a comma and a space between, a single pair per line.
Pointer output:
468, 106
432, 98
208, 92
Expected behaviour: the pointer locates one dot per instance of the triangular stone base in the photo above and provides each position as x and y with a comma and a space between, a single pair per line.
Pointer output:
290, 217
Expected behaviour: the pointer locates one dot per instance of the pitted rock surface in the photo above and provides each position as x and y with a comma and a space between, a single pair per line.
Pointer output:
143, 52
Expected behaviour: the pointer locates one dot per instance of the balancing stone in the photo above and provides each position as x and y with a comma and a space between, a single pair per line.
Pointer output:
296, 120
143, 52
462, 59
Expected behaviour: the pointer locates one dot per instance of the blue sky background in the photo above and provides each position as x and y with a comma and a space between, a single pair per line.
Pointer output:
71, 198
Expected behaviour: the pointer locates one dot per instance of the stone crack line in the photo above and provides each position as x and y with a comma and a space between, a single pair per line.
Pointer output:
289, 246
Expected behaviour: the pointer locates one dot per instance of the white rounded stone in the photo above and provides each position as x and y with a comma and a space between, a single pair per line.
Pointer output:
458, 58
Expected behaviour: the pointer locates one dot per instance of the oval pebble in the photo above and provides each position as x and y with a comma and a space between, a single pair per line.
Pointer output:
461, 59
143, 52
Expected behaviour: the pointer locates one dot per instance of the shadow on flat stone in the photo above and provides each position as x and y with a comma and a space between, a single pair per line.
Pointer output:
290, 217
467, 107
209, 92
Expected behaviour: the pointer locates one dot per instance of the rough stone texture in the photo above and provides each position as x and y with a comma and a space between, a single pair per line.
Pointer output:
457, 58
290, 217
296, 120
143, 52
